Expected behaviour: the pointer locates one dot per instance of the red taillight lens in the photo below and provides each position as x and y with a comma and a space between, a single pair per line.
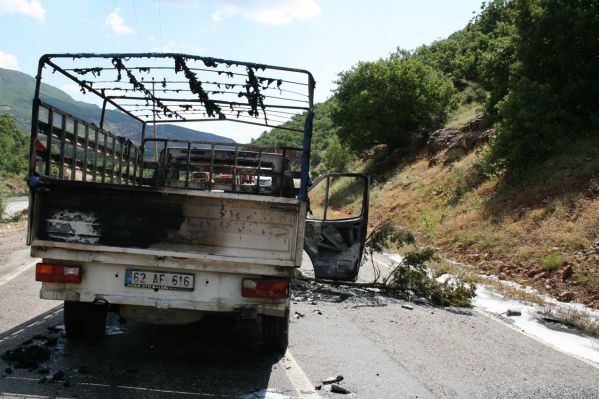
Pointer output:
265, 288
57, 273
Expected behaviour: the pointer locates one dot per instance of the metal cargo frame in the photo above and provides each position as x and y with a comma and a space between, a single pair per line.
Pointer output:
190, 89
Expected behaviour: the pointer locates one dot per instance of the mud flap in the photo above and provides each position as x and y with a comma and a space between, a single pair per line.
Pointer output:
336, 225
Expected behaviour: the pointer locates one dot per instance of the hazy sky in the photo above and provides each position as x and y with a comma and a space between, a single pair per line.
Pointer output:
323, 36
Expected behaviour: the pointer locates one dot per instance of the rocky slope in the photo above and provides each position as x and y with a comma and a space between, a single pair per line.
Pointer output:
541, 231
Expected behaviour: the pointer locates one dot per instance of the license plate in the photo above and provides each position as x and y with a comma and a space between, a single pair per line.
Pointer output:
159, 280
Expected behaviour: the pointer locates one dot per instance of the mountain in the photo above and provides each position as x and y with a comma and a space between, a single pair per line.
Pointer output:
16, 95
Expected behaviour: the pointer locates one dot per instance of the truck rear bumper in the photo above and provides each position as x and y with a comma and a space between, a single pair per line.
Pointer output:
270, 307
213, 291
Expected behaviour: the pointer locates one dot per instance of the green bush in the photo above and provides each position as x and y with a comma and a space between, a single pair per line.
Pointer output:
336, 156
551, 94
529, 126
13, 147
553, 261
411, 275
390, 101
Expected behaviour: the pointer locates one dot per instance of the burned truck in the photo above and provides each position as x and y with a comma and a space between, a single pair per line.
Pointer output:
163, 228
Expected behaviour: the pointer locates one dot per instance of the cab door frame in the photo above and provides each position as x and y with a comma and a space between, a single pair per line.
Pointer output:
336, 246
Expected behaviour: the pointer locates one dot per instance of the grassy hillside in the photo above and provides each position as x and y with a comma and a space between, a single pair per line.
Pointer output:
323, 131
542, 230
16, 94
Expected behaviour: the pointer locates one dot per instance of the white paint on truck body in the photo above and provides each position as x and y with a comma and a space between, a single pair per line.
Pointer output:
79, 227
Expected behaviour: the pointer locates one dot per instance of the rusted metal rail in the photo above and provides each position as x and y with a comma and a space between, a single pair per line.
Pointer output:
69, 148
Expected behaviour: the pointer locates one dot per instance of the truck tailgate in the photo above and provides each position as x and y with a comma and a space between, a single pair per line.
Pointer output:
223, 227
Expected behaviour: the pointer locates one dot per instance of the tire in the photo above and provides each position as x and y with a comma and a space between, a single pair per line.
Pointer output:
275, 333
84, 320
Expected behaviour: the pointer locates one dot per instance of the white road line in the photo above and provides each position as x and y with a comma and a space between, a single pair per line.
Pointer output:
301, 383
18, 271
10, 395
125, 387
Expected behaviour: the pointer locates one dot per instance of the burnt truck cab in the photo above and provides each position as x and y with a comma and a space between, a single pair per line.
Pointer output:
165, 229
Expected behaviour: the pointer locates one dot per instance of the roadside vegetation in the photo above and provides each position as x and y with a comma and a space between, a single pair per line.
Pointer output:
522, 205
541, 231
14, 145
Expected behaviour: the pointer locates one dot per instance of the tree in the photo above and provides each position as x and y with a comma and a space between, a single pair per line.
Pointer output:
13, 147
559, 46
528, 127
552, 91
389, 101
483, 52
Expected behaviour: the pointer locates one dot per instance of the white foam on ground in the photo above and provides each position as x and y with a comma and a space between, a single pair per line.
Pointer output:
579, 345
486, 299
575, 306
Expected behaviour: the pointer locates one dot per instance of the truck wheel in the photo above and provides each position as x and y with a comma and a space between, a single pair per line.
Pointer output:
275, 333
84, 319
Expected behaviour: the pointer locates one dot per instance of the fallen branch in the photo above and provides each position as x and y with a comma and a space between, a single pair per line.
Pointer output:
411, 275
342, 283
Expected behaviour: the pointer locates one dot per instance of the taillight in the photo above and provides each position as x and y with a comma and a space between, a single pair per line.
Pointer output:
267, 288
57, 273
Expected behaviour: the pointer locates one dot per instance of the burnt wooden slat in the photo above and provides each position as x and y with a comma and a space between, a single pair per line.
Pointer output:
49, 135
135, 161
127, 162
112, 156
44, 128
96, 139
63, 136
121, 154
85, 151
104, 155
74, 144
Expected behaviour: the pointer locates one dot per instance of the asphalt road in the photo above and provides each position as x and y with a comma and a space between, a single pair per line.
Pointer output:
381, 349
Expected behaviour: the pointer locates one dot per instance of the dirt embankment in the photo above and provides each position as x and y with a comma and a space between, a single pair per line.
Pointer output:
12, 185
541, 231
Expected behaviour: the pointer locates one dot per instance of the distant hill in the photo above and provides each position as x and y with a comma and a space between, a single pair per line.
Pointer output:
16, 95
323, 131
